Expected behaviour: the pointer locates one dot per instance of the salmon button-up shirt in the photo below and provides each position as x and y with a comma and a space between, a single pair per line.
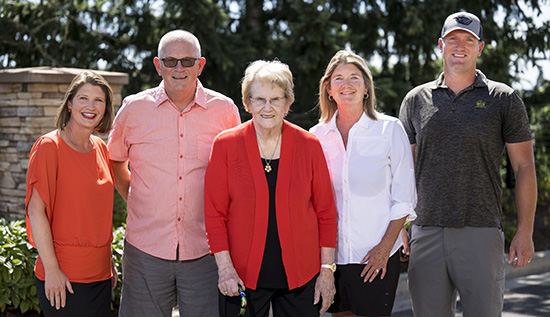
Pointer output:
168, 151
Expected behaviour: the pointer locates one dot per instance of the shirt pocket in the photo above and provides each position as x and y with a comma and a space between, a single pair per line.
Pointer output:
372, 146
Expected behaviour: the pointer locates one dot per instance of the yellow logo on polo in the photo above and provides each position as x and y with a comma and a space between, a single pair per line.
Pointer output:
480, 104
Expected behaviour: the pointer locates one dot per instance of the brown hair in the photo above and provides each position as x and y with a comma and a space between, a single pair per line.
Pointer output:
328, 107
87, 77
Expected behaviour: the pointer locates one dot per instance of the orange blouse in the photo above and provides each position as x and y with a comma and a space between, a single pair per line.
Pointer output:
77, 189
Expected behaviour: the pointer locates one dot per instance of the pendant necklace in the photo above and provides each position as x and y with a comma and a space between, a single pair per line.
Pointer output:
267, 166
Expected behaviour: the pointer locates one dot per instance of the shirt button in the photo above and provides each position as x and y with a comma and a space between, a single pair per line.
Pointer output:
180, 178
181, 198
181, 135
181, 114
181, 156
179, 219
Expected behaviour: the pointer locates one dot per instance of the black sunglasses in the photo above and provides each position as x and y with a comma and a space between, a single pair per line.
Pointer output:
171, 62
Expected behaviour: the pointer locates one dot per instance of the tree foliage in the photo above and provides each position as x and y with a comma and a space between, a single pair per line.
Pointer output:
400, 35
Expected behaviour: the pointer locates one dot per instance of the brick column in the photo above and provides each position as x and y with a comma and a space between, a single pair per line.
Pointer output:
29, 98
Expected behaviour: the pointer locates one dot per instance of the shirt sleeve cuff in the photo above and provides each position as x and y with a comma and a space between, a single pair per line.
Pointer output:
401, 210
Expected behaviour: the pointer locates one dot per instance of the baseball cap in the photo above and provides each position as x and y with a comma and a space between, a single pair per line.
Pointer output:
463, 21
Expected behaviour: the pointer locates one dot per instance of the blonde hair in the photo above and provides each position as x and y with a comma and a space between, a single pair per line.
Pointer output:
327, 106
92, 78
272, 72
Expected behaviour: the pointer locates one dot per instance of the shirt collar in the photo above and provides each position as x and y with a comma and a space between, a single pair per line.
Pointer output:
480, 81
200, 95
331, 125
364, 122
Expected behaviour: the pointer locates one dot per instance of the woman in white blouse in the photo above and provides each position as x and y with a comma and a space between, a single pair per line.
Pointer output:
372, 172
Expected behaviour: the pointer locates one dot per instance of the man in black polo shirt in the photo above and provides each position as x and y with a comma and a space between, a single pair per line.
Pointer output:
458, 126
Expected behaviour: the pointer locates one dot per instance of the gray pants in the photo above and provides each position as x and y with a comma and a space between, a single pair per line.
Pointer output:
150, 285
446, 260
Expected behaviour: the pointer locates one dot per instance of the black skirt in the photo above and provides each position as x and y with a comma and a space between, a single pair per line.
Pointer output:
88, 300
365, 299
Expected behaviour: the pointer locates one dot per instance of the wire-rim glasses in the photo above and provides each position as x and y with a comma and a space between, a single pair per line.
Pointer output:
260, 102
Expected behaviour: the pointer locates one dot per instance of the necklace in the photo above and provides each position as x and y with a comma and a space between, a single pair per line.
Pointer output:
267, 167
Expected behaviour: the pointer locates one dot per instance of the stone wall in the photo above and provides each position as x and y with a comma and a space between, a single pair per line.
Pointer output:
29, 98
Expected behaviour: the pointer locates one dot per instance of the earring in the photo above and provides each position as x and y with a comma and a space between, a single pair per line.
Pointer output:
330, 98
366, 96
69, 110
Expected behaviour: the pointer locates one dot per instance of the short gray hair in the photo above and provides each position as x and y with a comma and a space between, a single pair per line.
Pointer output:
179, 35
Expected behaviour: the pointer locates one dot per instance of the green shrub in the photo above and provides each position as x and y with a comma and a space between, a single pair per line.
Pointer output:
17, 257
116, 247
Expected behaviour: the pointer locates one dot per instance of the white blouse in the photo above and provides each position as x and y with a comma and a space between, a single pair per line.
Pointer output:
373, 181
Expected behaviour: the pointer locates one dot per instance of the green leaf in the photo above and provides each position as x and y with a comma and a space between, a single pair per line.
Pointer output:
16, 300
4, 299
17, 274
6, 275
25, 306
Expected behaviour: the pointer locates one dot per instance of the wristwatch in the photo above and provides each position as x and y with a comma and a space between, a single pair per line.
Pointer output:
331, 267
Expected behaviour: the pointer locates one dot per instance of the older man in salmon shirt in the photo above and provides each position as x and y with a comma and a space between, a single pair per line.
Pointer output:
163, 136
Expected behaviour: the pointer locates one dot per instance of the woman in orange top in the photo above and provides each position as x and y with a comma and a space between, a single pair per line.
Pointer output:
69, 204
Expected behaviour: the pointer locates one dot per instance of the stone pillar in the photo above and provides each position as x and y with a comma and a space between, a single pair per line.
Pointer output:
29, 98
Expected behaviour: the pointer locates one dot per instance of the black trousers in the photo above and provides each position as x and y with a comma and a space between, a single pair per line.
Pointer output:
285, 302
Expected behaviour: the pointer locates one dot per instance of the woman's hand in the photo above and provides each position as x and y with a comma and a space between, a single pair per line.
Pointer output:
376, 261
114, 278
324, 287
228, 279
377, 258
55, 284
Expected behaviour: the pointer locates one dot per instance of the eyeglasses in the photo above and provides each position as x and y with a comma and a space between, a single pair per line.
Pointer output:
277, 101
171, 62
244, 302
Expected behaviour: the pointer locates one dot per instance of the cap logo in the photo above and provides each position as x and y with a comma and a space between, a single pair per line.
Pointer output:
463, 20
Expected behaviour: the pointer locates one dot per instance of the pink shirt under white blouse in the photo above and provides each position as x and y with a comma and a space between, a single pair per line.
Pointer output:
373, 181
168, 151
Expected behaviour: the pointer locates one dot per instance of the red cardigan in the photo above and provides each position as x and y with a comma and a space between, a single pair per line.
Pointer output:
237, 203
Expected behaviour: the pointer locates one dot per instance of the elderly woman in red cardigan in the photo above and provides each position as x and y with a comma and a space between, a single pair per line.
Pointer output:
269, 206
